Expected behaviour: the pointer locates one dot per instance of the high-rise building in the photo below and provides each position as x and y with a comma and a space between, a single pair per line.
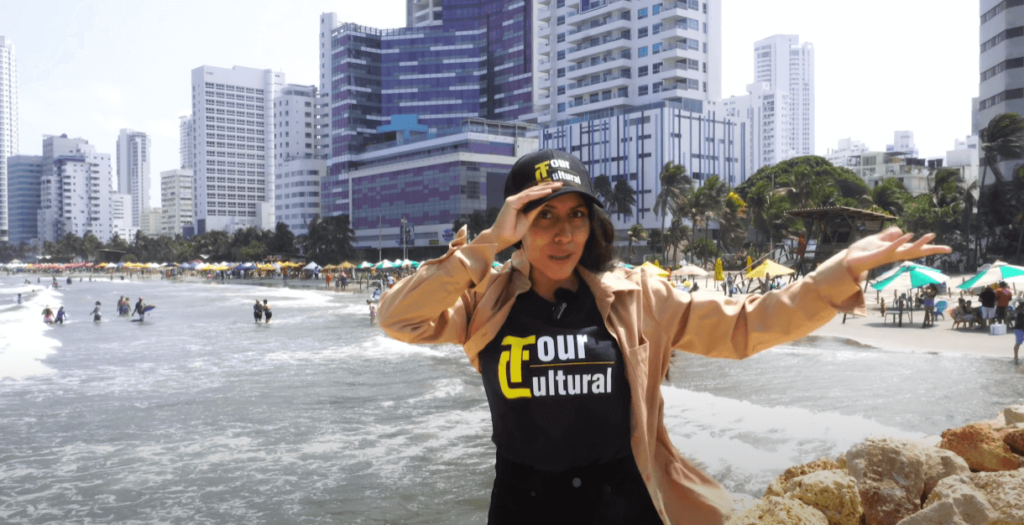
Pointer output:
133, 154
902, 142
1001, 89
233, 126
300, 155
176, 200
121, 217
187, 141
24, 173
788, 66
8, 125
595, 56
472, 60
75, 190
769, 136
152, 219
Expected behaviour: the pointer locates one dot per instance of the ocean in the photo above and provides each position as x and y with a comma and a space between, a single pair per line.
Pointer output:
199, 415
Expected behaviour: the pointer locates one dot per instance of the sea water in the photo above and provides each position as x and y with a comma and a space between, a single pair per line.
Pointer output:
200, 415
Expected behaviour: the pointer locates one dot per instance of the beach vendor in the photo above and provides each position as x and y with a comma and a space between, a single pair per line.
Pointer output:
572, 353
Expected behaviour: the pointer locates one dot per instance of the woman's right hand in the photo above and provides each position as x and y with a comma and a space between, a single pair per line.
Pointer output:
511, 225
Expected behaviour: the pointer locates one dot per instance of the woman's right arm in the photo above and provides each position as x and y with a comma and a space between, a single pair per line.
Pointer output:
433, 305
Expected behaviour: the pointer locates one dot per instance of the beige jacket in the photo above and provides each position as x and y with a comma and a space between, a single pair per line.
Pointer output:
459, 298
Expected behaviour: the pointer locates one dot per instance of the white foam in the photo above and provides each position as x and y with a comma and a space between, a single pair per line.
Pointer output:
746, 445
23, 337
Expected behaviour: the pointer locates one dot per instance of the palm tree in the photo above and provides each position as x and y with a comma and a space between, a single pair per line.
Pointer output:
675, 186
636, 233
1002, 138
708, 202
889, 196
676, 235
603, 189
800, 191
623, 198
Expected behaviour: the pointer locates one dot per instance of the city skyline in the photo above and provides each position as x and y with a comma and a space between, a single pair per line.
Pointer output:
89, 69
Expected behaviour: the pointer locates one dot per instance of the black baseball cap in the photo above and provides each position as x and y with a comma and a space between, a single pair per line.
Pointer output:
550, 166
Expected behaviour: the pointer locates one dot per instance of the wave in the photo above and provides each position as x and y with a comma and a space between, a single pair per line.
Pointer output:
24, 343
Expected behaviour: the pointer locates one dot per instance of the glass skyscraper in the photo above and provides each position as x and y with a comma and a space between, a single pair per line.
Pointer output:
460, 60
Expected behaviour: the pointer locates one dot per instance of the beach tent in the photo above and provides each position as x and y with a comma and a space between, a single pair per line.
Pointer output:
365, 265
661, 272
913, 276
311, 267
998, 271
409, 264
384, 265
346, 265
768, 267
690, 269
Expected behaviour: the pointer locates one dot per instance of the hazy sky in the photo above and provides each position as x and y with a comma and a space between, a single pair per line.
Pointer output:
91, 67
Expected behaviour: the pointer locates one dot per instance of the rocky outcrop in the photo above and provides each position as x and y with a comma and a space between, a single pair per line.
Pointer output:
778, 487
1015, 440
1004, 492
890, 478
981, 498
981, 448
1013, 415
833, 492
773, 510
939, 464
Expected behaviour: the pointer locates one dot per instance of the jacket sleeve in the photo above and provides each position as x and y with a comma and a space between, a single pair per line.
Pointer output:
722, 327
434, 304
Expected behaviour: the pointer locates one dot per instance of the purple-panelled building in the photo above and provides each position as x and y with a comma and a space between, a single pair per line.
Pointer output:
465, 59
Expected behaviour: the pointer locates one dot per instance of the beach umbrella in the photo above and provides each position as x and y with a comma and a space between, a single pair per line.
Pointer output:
899, 269
661, 272
346, 265
311, 267
365, 265
999, 271
768, 267
690, 269
719, 272
750, 263
915, 277
384, 265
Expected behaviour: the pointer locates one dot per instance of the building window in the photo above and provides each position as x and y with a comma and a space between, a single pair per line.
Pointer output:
642, 52
641, 33
656, 48
641, 71
560, 21
561, 72
656, 68
642, 90
561, 107
561, 90
641, 13
561, 37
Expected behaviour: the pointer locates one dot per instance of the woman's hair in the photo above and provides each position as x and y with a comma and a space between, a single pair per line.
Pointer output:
599, 252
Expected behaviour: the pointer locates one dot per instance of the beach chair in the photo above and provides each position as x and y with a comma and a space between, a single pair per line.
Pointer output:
940, 309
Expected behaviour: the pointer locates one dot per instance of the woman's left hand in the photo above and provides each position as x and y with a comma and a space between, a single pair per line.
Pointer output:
887, 247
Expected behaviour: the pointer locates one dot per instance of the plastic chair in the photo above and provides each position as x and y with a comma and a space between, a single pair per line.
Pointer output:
940, 309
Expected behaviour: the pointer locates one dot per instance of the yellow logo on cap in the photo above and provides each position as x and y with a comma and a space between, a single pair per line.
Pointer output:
542, 171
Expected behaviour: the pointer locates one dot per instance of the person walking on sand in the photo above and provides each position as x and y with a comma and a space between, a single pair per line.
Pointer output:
988, 306
266, 311
1018, 329
929, 292
257, 311
572, 351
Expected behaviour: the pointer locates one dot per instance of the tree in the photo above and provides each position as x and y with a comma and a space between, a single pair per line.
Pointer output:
283, 240
636, 233
1002, 138
329, 240
623, 198
889, 196
603, 189
706, 204
675, 187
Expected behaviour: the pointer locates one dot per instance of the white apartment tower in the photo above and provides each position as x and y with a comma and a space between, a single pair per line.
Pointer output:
301, 137
1001, 64
121, 217
133, 154
187, 141
788, 66
176, 198
595, 55
75, 190
902, 142
8, 125
233, 126
768, 138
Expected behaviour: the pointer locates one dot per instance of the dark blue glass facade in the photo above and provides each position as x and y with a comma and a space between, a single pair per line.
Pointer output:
476, 64
24, 173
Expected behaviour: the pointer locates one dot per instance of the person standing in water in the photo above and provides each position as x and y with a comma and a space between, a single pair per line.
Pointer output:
96, 313
47, 315
266, 310
140, 308
61, 315
257, 311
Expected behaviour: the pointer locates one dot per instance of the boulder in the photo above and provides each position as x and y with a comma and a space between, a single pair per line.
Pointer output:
778, 487
1015, 440
938, 464
981, 447
1013, 415
1004, 492
890, 478
773, 510
941, 513
833, 492
740, 503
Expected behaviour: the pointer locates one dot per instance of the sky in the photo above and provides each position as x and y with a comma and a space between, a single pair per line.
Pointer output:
89, 68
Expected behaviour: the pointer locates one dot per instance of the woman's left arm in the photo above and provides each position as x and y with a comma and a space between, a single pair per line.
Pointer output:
729, 328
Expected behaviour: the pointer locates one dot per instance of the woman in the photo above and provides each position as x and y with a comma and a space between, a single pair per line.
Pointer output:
929, 294
573, 354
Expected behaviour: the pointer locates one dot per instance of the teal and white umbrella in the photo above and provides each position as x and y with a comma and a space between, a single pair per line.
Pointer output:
999, 271
901, 268
914, 275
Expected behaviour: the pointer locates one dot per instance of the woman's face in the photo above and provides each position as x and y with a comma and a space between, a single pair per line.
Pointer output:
554, 243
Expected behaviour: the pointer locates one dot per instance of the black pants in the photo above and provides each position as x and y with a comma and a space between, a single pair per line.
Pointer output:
606, 494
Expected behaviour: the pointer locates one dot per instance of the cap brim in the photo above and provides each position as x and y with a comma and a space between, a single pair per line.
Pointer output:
590, 199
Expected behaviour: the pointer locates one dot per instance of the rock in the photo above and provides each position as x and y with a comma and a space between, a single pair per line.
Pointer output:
1005, 494
938, 464
1013, 414
890, 478
778, 487
1015, 440
773, 510
969, 504
981, 447
833, 492
941, 513
741, 503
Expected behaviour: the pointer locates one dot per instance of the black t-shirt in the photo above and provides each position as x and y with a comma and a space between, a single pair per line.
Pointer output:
1018, 323
988, 298
557, 388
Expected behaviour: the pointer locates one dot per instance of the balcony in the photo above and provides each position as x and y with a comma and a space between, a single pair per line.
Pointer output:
604, 81
595, 27
672, 11
590, 67
602, 45
587, 105
598, 9
683, 49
